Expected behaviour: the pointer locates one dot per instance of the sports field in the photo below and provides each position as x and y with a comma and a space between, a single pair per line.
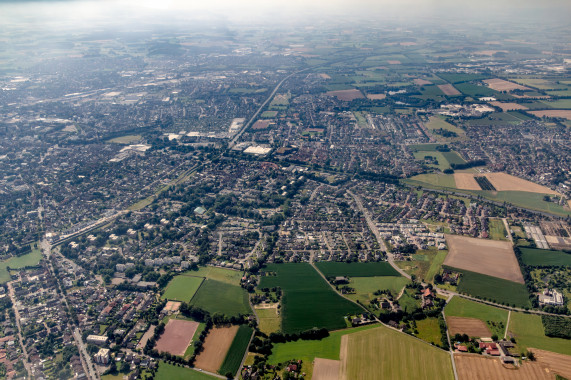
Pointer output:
182, 288
29, 259
544, 257
220, 297
489, 257
494, 317
494, 289
382, 353
168, 371
308, 301
529, 332
334, 269
236, 352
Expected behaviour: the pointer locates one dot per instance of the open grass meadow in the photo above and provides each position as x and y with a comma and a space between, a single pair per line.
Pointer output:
462, 307
308, 301
425, 264
365, 287
228, 276
493, 289
382, 353
182, 288
525, 199
219, 297
436, 122
529, 332
474, 90
429, 331
235, 354
497, 230
168, 371
440, 180
544, 257
334, 269
307, 350
269, 319
29, 259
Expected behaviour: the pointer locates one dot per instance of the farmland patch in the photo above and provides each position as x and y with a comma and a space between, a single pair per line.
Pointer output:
216, 346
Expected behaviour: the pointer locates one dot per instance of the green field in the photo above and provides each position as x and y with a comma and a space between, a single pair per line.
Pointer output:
383, 353
558, 104
462, 307
228, 276
334, 269
497, 230
461, 77
269, 319
129, 139
529, 332
308, 301
453, 158
220, 297
235, 354
182, 288
436, 265
437, 179
307, 350
29, 259
544, 257
443, 163
439, 123
408, 302
366, 286
269, 114
171, 372
493, 288
474, 90
429, 331
425, 264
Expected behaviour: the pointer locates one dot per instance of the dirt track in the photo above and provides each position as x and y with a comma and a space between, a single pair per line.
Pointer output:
489, 257
470, 326
216, 346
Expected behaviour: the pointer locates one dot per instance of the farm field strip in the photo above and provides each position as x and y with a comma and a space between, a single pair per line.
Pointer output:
176, 337
216, 345
478, 367
334, 269
236, 351
220, 297
470, 326
544, 257
558, 363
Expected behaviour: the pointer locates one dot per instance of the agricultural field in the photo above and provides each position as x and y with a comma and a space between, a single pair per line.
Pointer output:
425, 264
503, 85
429, 331
544, 257
489, 257
228, 276
326, 369
558, 363
307, 350
437, 179
216, 346
494, 289
430, 158
346, 95
474, 90
280, 102
529, 332
383, 353
559, 104
507, 182
269, 114
497, 230
461, 77
334, 269
182, 288
176, 337
168, 371
29, 259
366, 286
220, 297
308, 301
472, 327
269, 319
449, 90
509, 106
233, 359
494, 318
565, 114
478, 367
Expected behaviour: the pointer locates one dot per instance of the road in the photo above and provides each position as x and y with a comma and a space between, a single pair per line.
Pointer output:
20, 338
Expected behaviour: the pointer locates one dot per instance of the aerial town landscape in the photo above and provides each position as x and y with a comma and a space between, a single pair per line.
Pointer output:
325, 196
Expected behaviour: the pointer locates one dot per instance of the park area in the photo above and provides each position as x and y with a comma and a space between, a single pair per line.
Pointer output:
176, 337
308, 301
29, 259
489, 257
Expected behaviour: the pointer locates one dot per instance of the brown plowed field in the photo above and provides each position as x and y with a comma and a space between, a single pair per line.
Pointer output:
216, 346
508, 106
506, 182
558, 363
177, 336
326, 369
346, 95
261, 124
503, 85
470, 326
376, 96
477, 367
466, 181
421, 82
553, 113
448, 89
489, 257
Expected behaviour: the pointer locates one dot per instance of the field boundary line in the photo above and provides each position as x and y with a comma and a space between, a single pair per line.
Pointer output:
450, 347
197, 289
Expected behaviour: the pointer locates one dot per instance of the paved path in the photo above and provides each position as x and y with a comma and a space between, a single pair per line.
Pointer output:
507, 324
